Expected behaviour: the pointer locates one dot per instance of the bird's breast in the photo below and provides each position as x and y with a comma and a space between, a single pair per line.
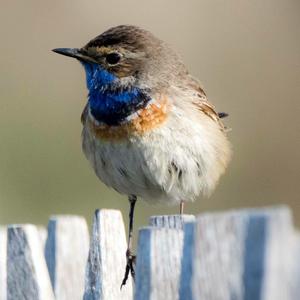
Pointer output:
151, 116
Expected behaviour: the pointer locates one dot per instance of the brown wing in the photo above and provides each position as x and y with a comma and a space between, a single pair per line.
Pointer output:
203, 105
209, 110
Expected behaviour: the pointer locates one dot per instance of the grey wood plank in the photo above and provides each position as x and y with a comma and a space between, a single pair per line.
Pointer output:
27, 274
106, 262
3, 246
281, 255
294, 274
244, 254
158, 263
66, 253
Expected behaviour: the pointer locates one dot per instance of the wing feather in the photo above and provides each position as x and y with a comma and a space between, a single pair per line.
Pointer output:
203, 105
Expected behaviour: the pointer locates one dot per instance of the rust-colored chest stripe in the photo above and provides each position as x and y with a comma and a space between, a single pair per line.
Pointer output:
144, 120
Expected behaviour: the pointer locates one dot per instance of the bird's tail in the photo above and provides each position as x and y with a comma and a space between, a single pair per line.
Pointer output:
223, 115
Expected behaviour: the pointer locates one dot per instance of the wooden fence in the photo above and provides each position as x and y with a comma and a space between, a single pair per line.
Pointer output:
244, 254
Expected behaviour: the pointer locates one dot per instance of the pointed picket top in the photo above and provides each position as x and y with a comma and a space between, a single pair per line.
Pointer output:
107, 261
242, 254
27, 274
66, 253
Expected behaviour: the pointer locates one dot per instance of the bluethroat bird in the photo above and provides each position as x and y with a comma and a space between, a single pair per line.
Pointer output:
148, 128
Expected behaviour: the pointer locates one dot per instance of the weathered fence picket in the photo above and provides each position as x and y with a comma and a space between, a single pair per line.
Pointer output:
245, 254
239, 255
66, 252
159, 257
158, 263
107, 261
27, 274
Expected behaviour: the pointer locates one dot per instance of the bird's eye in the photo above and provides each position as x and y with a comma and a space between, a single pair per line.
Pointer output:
113, 58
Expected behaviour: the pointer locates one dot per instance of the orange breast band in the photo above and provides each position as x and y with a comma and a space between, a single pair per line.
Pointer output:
146, 119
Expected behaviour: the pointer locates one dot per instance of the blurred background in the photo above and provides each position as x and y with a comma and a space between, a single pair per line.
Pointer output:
246, 53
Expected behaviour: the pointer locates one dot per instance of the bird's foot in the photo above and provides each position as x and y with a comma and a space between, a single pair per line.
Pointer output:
130, 265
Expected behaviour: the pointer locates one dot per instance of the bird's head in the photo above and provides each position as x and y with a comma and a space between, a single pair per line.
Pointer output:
128, 54
128, 62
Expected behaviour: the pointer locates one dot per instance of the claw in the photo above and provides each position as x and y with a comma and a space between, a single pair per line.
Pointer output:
129, 267
130, 258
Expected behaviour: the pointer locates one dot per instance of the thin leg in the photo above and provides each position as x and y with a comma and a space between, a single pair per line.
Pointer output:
181, 207
132, 201
129, 256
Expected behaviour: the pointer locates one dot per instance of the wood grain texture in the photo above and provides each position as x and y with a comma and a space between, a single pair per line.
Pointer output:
245, 254
43, 235
170, 221
187, 263
3, 245
281, 274
158, 263
294, 273
217, 259
107, 261
159, 257
250, 254
66, 253
27, 274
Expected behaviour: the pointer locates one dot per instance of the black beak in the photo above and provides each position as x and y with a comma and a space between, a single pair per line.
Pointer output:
73, 52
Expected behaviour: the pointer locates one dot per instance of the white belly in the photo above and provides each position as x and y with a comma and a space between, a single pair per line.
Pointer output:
177, 161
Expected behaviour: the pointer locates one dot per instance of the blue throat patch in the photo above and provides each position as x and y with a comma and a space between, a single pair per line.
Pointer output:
110, 103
